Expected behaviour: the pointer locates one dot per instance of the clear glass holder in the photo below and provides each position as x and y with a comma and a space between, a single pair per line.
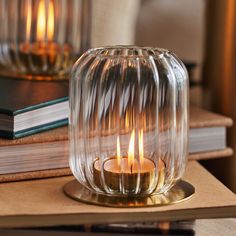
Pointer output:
128, 121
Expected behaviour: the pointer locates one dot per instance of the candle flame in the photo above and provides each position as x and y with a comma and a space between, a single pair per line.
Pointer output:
41, 21
131, 150
50, 28
28, 20
118, 151
140, 146
45, 28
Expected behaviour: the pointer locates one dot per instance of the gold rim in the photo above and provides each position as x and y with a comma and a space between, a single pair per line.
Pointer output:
182, 191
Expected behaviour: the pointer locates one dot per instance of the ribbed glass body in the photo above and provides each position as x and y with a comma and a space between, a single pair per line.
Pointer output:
128, 120
41, 38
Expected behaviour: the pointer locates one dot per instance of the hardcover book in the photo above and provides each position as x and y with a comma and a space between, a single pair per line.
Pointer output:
28, 107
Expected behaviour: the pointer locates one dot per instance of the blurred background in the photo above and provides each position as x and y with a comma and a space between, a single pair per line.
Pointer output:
200, 32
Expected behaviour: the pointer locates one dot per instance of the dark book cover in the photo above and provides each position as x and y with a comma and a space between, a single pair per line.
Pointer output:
18, 96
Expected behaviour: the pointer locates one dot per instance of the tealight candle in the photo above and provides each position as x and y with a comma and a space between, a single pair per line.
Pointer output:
134, 174
115, 174
39, 53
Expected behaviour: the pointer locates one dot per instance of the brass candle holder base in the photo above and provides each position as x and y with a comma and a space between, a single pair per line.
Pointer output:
180, 192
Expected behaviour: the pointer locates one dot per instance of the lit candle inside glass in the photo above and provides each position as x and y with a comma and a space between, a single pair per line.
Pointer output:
127, 168
42, 51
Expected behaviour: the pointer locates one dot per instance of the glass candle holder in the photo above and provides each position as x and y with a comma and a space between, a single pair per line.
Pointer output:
40, 39
128, 120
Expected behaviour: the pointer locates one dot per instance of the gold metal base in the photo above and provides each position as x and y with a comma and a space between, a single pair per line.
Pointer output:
180, 192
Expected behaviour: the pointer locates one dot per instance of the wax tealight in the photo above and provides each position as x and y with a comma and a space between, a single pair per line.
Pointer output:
135, 178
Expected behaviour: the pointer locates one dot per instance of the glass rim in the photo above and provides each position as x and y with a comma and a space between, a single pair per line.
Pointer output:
128, 51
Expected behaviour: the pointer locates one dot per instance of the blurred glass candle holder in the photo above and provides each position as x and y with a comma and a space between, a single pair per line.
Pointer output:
128, 120
40, 39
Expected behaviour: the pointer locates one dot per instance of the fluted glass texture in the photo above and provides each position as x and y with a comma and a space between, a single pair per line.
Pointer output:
128, 120
42, 37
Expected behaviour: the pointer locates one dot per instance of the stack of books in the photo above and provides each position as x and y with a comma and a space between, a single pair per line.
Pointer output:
29, 107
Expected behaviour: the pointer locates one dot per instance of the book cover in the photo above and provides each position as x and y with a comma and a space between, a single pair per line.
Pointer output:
28, 107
